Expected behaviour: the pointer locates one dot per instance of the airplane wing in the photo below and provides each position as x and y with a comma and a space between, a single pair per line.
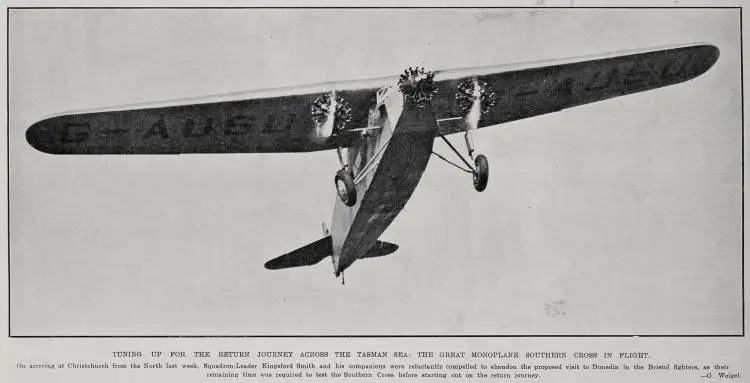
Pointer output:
279, 120
520, 91
282, 120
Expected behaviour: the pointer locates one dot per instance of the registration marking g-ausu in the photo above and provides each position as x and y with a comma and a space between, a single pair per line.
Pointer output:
250, 124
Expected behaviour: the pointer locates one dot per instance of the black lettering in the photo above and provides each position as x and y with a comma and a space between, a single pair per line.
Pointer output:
691, 66
636, 77
238, 125
290, 121
523, 99
565, 87
189, 130
73, 132
270, 122
673, 69
157, 128
601, 81
653, 73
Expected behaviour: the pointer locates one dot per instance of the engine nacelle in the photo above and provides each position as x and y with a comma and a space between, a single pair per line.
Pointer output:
330, 113
474, 98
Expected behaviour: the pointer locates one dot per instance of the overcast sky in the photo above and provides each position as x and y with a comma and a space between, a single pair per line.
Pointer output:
622, 217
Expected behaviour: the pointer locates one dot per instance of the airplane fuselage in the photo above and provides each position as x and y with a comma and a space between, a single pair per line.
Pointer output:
387, 164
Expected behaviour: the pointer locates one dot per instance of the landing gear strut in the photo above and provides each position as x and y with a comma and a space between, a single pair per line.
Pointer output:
481, 169
345, 183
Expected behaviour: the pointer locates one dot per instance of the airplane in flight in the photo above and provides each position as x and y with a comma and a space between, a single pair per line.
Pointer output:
383, 130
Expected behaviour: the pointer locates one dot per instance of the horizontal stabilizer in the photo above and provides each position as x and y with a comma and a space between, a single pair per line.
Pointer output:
313, 253
380, 249
307, 255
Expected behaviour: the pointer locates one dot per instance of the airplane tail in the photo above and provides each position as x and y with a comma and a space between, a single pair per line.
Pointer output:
315, 252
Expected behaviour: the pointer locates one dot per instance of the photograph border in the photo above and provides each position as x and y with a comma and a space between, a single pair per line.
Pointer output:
742, 191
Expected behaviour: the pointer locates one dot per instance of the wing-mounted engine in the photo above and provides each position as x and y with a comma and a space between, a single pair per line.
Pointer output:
474, 98
330, 114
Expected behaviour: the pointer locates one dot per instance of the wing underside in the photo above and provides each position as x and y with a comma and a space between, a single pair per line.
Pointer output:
531, 90
282, 120
259, 125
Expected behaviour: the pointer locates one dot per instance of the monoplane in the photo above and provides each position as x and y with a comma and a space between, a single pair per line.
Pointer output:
383, 130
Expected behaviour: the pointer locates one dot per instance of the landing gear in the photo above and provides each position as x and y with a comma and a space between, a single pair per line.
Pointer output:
345, 181
345, 187
480, 171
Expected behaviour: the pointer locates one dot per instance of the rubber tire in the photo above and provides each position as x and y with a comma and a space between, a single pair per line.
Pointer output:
482, 174
349, 193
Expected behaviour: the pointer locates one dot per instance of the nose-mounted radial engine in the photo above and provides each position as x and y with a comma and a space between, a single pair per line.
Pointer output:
330, 114
474, 97
417, 86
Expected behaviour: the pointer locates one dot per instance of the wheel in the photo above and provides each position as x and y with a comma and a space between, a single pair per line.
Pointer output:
482, 173
345, 187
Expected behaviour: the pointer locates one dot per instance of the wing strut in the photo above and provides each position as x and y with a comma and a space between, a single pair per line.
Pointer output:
480, 170
471, 168
451, 162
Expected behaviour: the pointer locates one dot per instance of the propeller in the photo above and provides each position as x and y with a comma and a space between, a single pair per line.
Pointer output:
473, 90
330, 113
418, 86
